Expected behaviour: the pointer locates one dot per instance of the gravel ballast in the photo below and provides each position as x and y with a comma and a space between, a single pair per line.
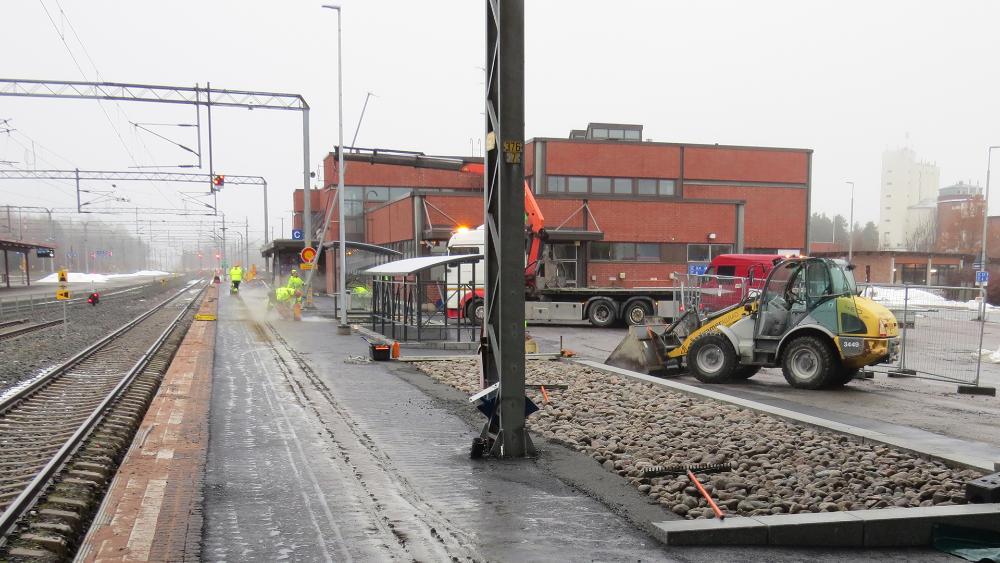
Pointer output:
26, 356
779, 467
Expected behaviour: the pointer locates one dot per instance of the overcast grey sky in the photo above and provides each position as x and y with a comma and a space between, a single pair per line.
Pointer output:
846, 79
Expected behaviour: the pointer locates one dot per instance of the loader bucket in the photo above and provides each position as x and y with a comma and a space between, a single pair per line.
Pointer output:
643, 349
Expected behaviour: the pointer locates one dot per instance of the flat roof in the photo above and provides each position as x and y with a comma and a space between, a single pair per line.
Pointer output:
410, 266
634, 143
22, 245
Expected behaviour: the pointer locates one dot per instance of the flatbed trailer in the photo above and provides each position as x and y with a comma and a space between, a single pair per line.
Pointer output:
603, 306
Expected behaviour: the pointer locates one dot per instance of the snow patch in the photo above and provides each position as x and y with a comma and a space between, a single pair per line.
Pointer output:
80, 277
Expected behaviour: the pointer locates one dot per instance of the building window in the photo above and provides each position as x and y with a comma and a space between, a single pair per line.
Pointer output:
616, 134
623, 186
647, 252
706, 252
646, 187
667, 188
577, 185
600, 133
673, 253
376, 194
600, 185
632, 134
556, 184
600, 251
623, 251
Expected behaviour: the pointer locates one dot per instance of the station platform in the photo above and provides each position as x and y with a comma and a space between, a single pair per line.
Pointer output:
306, 451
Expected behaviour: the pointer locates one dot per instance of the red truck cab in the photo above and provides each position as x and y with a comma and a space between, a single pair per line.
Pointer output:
730, 276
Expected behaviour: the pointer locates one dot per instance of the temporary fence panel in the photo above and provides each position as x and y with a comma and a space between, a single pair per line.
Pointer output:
941, 330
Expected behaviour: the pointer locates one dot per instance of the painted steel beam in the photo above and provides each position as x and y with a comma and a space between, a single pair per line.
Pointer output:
503, 327
150, 93
123, 176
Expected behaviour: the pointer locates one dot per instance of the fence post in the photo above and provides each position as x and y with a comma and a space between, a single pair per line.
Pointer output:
902, 348
982, 328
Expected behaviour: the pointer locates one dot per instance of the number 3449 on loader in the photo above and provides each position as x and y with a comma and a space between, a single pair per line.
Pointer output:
807, 319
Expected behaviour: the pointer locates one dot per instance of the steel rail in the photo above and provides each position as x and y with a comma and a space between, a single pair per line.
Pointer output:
29, 496
30, 328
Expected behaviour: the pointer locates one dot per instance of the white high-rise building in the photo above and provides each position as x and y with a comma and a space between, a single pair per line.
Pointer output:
906, 184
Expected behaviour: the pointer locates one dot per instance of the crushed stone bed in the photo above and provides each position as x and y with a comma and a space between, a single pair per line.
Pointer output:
779, 467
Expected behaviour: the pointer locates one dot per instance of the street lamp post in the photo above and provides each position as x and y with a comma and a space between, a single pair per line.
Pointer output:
342, 267
850, 229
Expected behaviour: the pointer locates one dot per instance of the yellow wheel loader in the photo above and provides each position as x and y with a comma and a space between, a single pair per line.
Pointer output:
807, 318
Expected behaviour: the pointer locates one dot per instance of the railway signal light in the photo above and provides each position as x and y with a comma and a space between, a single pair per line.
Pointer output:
218, 182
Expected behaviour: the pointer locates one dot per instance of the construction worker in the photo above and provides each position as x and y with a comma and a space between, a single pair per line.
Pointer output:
236, 276
283, 299
294, 281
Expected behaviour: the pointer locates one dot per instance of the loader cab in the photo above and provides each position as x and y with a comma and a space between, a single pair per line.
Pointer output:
796, 292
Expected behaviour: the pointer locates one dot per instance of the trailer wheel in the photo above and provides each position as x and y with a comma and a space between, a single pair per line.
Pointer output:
636, 312
809, 363
602, 313
745, 372
475, 310
712, 359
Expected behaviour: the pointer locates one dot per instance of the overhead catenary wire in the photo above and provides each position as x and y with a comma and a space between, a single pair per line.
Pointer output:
97, 73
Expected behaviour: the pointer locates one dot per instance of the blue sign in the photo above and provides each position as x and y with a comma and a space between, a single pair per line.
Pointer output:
695, 269
297, 234
982, 277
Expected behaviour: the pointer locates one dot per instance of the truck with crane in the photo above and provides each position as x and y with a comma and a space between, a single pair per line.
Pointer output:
548, 296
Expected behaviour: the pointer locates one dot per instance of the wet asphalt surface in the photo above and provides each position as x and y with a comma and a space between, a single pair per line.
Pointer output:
315, 456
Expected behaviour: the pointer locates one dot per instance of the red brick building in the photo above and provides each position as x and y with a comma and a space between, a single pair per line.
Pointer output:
660, 207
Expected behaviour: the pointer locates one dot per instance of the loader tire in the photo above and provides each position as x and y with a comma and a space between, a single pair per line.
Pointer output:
712, 359
745, 372
843, 376
808, 363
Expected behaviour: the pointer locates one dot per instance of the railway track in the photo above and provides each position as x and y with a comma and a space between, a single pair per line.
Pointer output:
19, 330
62, 436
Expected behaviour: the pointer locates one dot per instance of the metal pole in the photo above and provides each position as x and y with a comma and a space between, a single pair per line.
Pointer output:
246, 243
86, 249
503, 348
360, 119
197, 114
306, 192
340, 178
265, 213
982, 329
211, 166
850, 229
77, 171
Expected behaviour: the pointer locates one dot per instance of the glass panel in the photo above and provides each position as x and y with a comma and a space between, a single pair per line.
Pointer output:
600, 185
567, 273
698, 253
673, 253
667, 188
718, 249
623, 185
600, 251
577, 185
647, 252
632, 134
377, 194
623, 251
646, 187
774, 305
600, 133
398, 193
354, 192
616, 134
564, 251
557, 184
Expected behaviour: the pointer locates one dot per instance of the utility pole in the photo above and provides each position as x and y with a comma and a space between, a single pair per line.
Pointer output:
850, 229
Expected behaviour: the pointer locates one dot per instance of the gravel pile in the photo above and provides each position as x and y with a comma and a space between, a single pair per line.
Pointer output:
26, 356
780, 468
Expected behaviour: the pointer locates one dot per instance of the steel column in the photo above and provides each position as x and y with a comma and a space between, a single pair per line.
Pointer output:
503, 338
